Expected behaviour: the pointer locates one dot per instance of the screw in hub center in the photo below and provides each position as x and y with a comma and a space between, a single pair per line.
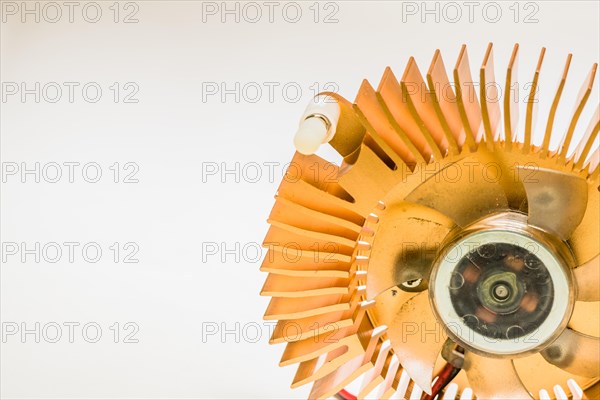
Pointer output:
501, 292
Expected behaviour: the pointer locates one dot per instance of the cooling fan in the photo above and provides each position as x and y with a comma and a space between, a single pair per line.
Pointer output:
448, 253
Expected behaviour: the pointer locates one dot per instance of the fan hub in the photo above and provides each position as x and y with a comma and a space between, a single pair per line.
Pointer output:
502, 288
501, 292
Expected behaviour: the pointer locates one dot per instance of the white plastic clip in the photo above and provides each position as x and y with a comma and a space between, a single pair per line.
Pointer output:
317, 125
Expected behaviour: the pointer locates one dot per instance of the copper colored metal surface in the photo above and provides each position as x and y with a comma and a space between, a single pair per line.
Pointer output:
352, 247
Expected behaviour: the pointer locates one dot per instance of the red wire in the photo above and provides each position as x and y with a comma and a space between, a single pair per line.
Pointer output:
345, 395
446, 375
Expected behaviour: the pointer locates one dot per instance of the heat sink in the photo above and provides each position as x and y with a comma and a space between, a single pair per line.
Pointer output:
445, 239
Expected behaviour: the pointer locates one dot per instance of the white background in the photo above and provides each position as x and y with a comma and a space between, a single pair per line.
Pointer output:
177, 130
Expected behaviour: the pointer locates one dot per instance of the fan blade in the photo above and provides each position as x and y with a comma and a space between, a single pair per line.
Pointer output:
417, 339
494, 378
575, 353
406, 242
587, 277
586, 318
584, 248
456, 191
557, 201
